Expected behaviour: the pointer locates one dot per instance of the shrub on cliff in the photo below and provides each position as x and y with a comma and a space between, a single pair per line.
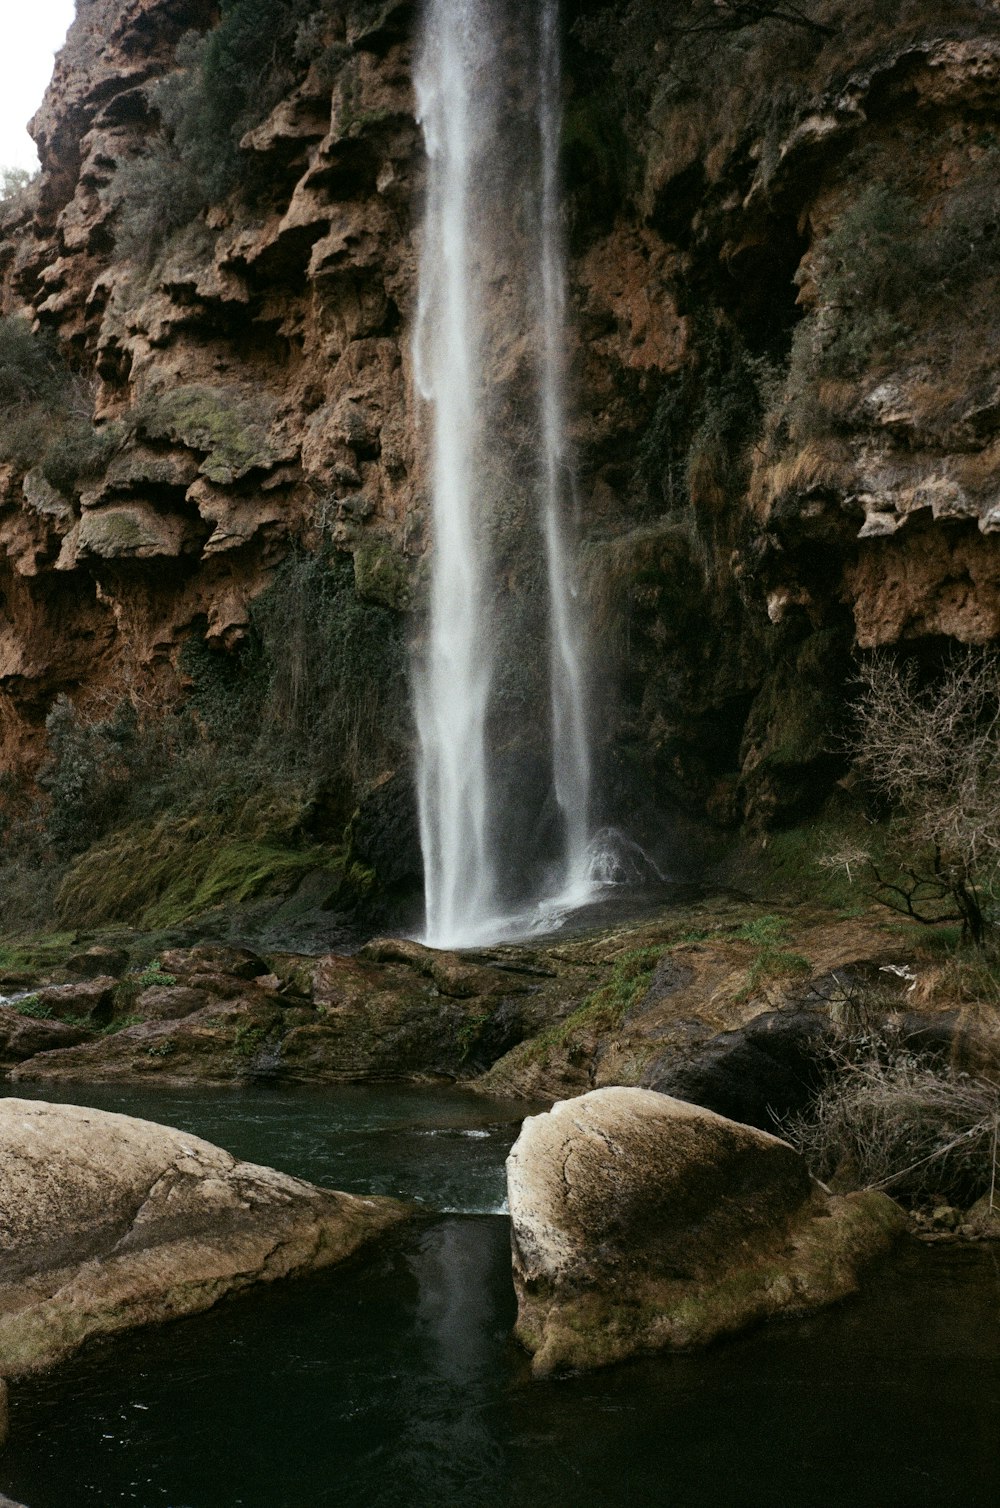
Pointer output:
30, 367
890, 267
47, 409
13, 181
320, 686
933, 753
226, 81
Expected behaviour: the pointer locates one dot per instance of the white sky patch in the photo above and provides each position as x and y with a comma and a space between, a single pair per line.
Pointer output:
31, 33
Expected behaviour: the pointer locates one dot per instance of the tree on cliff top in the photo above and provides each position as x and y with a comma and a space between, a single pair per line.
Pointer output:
13, 181
934, 753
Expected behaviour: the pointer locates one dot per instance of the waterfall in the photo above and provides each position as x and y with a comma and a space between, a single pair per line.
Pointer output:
570, 744
452, 691
484, 231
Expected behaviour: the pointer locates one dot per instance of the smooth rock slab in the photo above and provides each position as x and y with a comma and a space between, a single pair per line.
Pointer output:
107, 1223
641, 1222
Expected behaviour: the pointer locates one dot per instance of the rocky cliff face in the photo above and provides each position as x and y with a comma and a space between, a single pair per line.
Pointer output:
784, 259
252, 378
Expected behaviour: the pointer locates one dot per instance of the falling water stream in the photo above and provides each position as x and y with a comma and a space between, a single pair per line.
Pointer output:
452, 692
463, 803
570, 743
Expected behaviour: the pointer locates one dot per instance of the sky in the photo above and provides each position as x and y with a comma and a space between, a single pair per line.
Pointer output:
30, 34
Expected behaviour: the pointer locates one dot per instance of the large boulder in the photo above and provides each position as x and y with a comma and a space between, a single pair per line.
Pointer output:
110, 1222
641, 1222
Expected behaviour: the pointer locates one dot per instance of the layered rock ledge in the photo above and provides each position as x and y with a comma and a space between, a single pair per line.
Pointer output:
641, 1222
110, 1222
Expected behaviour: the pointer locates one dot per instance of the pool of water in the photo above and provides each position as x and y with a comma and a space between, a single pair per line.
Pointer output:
393, 1380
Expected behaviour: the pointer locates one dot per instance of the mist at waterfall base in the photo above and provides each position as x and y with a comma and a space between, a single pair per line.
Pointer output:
504, 772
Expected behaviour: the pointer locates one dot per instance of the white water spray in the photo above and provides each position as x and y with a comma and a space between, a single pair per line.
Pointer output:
461, 825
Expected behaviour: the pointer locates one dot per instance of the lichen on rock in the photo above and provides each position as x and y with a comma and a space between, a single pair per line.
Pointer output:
640, 1222
111, 1222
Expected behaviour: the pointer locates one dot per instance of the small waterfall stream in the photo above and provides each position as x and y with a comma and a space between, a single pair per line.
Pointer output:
570, 743
465, 801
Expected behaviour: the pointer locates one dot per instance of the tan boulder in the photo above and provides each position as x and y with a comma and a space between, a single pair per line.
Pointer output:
640, 1222
109, 1223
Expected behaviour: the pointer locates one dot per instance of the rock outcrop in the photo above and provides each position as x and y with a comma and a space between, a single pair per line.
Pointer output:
394, 1010
640, 1222
110, 1223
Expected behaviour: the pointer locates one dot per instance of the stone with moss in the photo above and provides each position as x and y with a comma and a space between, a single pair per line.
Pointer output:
135, 531
641, 1223
233, 433
112, 1222
382, 575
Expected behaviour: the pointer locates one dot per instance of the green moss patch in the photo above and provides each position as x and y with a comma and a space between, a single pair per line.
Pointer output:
231, 431
156, 875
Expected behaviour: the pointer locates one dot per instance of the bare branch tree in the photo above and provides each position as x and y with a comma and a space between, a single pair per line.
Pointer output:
934, 752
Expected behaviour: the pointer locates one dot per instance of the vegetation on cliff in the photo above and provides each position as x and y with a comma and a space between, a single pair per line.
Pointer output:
225, 81
244, 787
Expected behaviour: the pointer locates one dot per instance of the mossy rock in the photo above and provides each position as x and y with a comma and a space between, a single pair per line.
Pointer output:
232, 431
381, 574
130, 533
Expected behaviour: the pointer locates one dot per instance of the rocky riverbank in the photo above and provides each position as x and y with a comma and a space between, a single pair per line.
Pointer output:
718, 999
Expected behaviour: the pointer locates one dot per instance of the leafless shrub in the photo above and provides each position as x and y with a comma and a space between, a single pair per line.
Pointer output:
888, 1120
934, 753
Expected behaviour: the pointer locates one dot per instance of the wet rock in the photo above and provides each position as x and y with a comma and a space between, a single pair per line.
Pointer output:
385, 837
91, 1000
224, 1042
169, 1002
640, 1222
111, 1223
99, 959
213, 958
982, 1221
757, 1074
22, 1037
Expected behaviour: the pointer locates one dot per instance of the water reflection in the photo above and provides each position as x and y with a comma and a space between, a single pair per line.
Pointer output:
393, 1381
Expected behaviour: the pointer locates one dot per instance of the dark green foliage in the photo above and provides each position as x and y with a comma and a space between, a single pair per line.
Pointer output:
237, 792
645, 42
225, 82
595, 158
661, 455
888, 264
320, 688
47, 410
316, 693
707, 415
30, 367
78, 452
101, 771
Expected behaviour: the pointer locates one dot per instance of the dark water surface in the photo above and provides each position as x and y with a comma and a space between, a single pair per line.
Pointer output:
393, 1380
